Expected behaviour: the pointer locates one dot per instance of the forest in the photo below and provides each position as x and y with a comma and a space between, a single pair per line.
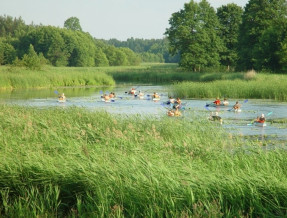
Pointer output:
198, 38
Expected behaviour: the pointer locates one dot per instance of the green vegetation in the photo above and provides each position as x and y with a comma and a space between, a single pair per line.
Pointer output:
150, 50
193, 34
253, 38
72, 162
68, 46
52, 77
263, 86
165, 74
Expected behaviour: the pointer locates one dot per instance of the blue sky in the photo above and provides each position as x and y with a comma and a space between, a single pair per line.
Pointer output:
104, 19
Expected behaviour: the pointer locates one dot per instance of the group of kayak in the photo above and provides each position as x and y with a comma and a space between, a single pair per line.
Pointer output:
175, 105
218, 103
259, 121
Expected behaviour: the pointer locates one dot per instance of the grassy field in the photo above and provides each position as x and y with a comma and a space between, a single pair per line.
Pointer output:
77, 163
13, 78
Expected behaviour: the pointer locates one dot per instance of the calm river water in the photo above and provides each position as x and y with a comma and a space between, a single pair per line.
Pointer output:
89, 97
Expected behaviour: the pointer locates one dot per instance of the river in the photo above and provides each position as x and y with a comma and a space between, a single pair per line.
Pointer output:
90, 98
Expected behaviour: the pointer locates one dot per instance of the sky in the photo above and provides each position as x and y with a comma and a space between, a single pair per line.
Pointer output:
104, 19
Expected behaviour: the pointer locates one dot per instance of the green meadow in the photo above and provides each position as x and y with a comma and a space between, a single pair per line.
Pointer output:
73, 162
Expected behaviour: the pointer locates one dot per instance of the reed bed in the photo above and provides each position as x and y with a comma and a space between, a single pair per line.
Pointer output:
70, 162
166, 74
15, 78
265, 86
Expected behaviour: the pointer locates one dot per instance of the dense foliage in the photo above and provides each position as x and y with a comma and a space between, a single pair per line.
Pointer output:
253, 38
230, 19
67, 46
194, 34
263, 35
151, 50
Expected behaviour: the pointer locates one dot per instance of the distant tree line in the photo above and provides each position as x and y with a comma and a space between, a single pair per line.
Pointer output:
253, 38
150, 50
198, 38
21, 44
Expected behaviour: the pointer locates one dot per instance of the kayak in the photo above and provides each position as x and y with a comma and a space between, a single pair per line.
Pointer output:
156, 99
259, 124
215, 105
238, 110
61, 100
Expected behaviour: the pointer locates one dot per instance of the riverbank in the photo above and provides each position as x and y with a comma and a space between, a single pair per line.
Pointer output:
60, 162
240, 85
15, 78
264, 86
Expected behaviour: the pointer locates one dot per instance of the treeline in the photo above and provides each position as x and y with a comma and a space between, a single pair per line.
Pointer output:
251, 38
150, 50
67, 46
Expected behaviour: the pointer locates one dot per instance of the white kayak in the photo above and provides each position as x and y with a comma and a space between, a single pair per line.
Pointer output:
238, 110
109, 100
156, 99
61, 100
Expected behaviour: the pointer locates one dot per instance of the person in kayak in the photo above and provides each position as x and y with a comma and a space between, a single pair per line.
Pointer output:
132, 91
261, 119
236, 106
177, 103
62, 97
106, 97
215, 117
171, 100
155, 95
170, 113
177, 113
225, 102
112, 95
141, 94
217, 101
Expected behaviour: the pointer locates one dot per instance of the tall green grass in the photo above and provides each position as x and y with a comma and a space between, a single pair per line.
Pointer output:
166, 74
265, 86
76, 163
52, 77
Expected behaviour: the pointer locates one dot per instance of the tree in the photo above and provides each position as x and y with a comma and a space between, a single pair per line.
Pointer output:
230, 19
73, 23
259, 17
7, 53
101, 59
193, 33
31, 60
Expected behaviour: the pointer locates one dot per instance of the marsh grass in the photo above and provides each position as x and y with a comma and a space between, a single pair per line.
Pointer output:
166, 74
265, 86
77, 163
15, 78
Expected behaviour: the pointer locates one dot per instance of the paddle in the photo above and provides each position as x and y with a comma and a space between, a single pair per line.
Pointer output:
250, 124
56, 92
168, 108
245, 101
206, 107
